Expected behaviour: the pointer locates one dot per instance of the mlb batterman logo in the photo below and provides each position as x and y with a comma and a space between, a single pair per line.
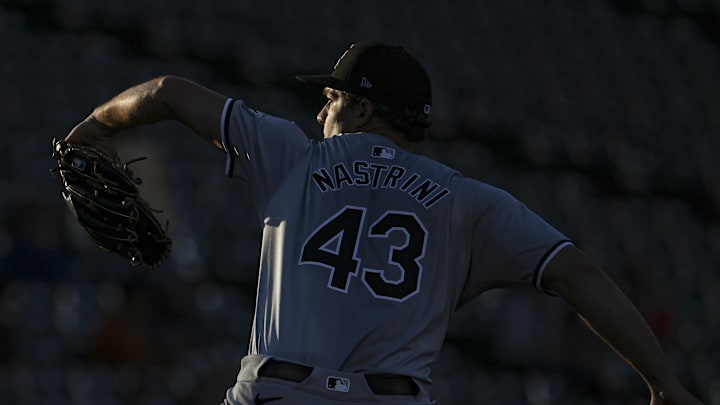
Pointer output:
383, 152
338, 384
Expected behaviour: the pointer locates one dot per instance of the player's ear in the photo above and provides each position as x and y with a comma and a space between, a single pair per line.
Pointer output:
365, 110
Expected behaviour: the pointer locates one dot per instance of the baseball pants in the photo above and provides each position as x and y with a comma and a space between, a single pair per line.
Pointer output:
267, 380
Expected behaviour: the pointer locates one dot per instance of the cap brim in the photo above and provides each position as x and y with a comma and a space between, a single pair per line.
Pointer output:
323, 81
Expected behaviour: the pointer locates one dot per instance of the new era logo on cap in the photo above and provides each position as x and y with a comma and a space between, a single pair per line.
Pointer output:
365, 83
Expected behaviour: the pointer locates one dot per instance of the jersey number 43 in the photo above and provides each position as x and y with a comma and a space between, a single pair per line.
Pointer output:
334, 245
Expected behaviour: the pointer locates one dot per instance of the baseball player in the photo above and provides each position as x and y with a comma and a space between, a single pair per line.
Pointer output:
367, 247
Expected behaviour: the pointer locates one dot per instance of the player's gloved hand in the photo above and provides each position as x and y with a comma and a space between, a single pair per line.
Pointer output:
103, 194
90, 132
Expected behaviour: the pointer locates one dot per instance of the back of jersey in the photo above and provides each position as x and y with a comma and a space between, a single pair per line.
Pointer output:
358, 269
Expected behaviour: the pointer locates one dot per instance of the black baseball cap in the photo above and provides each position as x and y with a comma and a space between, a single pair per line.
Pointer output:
384, 74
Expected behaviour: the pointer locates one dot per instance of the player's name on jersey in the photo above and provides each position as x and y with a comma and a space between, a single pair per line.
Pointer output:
366, 174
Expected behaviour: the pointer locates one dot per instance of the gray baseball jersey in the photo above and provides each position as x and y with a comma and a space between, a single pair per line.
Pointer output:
367, 249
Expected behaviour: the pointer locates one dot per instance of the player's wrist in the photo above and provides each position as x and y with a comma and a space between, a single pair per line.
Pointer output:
100, 128
662, 381
676, 393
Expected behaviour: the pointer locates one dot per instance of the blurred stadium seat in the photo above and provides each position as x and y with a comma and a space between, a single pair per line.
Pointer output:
601, 116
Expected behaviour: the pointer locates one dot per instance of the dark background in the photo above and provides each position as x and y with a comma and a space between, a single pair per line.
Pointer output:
602, 116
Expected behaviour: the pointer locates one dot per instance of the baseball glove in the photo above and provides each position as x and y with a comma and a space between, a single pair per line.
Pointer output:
103, 195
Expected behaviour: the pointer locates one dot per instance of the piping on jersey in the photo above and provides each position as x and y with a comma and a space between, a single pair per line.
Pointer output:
230, 151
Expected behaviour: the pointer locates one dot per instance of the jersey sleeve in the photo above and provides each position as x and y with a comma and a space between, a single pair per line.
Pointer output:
510, 244
260, 148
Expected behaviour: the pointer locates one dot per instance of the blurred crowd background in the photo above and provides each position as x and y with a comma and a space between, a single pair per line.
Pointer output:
602, 116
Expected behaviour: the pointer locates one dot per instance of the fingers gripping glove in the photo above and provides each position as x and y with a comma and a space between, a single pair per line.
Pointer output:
104, 197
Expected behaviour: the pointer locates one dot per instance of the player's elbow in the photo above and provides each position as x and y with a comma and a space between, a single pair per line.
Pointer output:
166, 87
170, 96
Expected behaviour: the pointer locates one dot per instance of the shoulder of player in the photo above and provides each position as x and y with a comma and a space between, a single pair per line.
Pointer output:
480, 194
